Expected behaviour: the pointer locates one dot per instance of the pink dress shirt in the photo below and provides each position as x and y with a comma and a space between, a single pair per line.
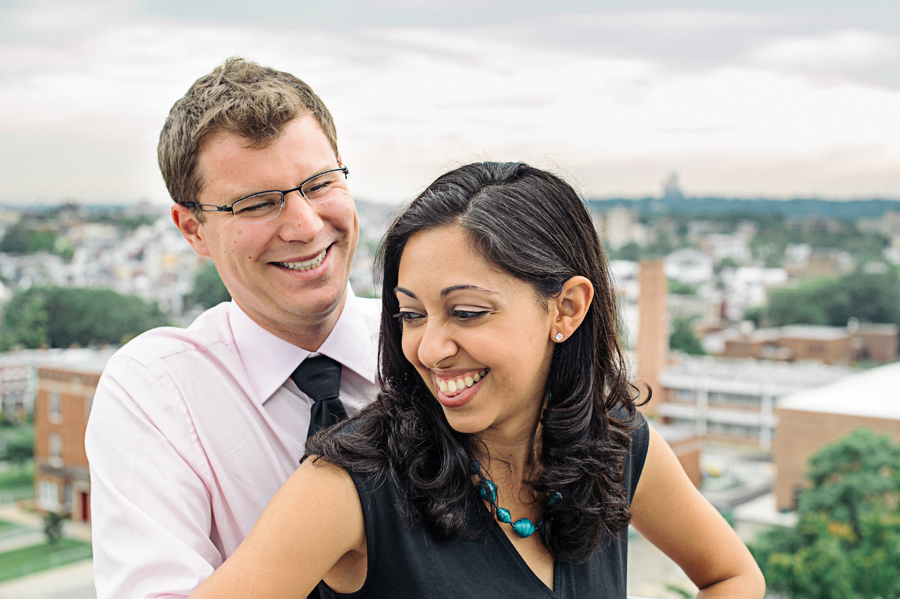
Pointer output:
191, 433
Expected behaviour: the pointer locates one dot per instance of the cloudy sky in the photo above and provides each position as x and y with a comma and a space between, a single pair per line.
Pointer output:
747, 98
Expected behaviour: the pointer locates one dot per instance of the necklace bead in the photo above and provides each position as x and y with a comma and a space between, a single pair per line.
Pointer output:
523, 527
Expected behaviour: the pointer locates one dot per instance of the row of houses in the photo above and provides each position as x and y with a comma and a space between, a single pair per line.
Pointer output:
791, 411
790, 408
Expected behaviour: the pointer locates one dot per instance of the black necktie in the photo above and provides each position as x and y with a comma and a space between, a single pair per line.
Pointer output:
320, 378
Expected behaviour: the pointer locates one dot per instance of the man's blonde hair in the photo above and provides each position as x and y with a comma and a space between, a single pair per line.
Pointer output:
239, 97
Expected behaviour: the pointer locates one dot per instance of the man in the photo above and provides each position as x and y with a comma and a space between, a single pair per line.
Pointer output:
192, 431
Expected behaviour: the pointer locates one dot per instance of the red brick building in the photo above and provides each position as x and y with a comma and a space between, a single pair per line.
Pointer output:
830, 345
813, 418
62, 406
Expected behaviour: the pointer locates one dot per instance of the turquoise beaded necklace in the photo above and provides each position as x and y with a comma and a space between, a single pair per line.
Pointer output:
523, 527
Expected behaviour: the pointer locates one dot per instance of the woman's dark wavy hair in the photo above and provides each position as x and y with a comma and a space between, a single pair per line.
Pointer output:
534, 226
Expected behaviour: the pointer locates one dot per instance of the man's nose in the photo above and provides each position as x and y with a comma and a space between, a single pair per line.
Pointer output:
299, 220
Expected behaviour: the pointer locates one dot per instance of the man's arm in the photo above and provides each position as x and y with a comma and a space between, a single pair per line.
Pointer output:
150, 505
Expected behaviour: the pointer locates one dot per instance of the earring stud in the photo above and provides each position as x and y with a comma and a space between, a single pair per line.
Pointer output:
559, 336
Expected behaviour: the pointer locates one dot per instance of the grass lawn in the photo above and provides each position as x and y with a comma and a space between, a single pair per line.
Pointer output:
4, 525
17, 477
42, 557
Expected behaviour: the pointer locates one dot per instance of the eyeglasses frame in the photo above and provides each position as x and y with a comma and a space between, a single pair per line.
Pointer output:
230, 208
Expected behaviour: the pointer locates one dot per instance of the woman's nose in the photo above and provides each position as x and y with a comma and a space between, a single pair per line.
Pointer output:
436, 345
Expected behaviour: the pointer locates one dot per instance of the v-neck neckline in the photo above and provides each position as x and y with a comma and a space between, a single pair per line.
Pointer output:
517, 557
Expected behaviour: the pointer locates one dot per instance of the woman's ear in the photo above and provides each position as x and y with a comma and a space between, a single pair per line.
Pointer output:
569, 307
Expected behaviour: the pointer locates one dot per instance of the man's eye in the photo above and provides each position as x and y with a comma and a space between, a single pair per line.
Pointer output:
254, 205
468, 315
319, 187
409, 317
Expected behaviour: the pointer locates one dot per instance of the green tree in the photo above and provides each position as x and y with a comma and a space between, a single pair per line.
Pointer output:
208, 289
846, 544
796, 306
677, 287
867, 297
18, 443
24, 239
726, 262
755, 315
53, 526
684, 339
629, 251
65, 316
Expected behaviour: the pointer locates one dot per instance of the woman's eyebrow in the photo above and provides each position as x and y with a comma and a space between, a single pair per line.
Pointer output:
448, 290
404, 292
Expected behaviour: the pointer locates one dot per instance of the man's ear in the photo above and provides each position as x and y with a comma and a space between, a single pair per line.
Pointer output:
570, 307
190, 228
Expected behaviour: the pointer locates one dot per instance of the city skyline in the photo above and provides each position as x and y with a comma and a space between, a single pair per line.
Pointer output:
763, 99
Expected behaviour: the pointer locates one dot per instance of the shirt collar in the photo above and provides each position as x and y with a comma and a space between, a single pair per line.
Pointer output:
269, 360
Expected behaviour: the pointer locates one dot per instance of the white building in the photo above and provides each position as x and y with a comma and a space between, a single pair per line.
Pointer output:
689, 266
620, 226
734, 399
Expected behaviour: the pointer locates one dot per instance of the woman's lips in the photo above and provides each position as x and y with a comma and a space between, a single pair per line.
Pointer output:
448, 393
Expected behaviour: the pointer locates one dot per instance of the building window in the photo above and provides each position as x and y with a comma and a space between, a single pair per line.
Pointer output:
55, 413
734, 400
733, 430
67, 491
48, 495
55, 450
685, 395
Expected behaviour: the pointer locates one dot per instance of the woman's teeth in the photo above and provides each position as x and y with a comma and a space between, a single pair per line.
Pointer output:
306, 264
454, 386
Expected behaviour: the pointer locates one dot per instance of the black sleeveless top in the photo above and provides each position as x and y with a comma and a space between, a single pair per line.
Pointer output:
408, 562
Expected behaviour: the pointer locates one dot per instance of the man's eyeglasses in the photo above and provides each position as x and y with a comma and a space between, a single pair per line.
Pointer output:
266, 205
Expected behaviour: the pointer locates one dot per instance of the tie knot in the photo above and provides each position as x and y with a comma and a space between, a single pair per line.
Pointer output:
319, 377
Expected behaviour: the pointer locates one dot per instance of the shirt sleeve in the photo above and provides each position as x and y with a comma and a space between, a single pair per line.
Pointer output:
150, 504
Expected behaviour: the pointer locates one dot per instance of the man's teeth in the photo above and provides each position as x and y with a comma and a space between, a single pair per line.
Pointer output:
306, 264
452, 386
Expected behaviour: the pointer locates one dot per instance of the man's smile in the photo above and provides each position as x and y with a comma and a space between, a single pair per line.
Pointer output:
305, 264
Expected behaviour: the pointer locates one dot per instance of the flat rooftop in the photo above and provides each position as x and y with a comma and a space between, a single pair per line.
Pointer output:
746, 375
873, 393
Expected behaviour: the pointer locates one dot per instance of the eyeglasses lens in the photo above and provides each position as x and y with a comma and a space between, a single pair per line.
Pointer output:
324, 187
258, 208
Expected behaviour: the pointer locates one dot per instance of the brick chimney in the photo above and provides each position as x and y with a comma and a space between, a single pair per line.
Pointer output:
653, 334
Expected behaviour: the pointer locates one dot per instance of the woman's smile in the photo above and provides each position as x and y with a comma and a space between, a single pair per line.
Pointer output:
456, 389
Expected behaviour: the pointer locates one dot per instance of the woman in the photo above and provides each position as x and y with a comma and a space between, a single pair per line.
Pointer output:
504, 457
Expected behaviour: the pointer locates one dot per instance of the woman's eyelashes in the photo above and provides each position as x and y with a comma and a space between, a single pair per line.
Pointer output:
406, 317
468, 314
461, 314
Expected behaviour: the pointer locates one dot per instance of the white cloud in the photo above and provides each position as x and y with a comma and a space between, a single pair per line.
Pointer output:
410, 102
850, 48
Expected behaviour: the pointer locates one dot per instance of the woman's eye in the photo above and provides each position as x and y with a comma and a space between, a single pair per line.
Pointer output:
409, 317
468, 315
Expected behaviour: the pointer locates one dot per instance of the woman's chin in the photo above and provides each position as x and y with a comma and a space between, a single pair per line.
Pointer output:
468, 426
